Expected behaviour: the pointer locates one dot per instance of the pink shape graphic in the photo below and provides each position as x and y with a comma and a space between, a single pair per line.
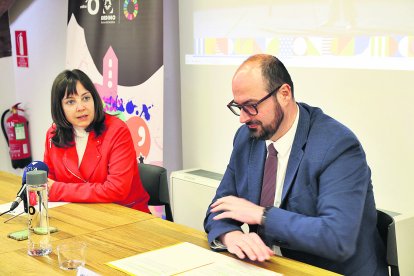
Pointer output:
109, 88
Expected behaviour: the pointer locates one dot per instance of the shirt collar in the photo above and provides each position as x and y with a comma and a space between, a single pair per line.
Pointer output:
80, 132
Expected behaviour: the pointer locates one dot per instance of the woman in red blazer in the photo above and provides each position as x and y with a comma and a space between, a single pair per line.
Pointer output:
90, 154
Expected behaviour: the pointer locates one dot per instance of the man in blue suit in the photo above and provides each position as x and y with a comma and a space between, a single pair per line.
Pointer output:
322, 209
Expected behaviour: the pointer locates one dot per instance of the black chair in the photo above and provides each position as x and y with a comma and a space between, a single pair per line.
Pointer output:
386, 228
154, 179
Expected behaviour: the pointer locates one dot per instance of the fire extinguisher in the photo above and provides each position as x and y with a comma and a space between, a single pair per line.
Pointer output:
16, 132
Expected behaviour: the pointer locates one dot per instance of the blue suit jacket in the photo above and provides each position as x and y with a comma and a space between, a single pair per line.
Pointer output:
327, 217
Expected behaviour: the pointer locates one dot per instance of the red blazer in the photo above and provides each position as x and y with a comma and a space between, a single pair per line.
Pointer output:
108, 172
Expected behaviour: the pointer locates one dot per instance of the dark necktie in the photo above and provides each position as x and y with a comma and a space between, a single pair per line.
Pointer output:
269, 178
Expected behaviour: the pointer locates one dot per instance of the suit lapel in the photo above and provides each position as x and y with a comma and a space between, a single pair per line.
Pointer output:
91, 156
257, 159
296, 153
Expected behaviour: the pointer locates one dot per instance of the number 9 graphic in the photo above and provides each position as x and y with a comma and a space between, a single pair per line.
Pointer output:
140, 135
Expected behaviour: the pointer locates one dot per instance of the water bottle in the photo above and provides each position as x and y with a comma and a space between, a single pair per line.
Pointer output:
38, 225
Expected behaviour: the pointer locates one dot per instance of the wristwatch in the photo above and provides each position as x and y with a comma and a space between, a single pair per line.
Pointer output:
264, 215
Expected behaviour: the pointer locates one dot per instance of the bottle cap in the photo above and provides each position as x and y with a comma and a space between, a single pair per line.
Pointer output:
36, 177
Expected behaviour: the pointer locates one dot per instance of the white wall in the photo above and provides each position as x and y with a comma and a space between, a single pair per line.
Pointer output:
46, 39
45, 22
375, 104
172, 150
8, 98
46, 36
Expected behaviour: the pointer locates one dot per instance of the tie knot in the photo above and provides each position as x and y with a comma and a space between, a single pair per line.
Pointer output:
271, 149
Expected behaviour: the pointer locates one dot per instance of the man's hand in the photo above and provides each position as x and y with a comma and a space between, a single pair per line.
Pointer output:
246, 244
238, 209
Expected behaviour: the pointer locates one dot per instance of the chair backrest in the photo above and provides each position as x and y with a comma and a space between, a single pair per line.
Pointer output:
386, 229
155, 181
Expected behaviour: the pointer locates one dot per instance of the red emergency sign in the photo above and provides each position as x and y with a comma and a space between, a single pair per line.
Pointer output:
21, 49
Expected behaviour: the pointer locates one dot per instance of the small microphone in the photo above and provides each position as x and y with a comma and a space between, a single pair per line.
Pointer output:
21, 194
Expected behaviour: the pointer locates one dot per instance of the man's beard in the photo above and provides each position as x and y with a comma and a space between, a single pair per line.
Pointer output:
266, 132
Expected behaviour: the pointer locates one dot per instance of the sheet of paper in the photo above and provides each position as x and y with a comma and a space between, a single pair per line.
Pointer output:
230, 267
186, 259
83, 271
6, 206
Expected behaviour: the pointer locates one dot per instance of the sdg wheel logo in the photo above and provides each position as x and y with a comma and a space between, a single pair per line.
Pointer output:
130, 9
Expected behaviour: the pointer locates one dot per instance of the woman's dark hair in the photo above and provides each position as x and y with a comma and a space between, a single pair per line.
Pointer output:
65, 85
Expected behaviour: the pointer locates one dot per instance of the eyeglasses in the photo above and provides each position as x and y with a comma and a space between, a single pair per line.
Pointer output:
249, 108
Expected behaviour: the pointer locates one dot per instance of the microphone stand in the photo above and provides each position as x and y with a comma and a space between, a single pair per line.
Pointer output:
11, 217
15, 216
16, 203
4, 212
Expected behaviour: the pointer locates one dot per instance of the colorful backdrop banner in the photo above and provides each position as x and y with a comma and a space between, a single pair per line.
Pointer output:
119, 44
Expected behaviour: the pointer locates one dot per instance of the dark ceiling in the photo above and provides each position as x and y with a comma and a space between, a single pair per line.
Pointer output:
5, 5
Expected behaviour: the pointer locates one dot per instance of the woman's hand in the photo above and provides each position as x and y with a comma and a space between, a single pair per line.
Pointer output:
50, 183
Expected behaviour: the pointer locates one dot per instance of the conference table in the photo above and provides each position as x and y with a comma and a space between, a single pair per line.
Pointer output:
111, 232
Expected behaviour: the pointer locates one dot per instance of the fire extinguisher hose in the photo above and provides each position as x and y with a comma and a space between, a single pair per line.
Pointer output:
2, 126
